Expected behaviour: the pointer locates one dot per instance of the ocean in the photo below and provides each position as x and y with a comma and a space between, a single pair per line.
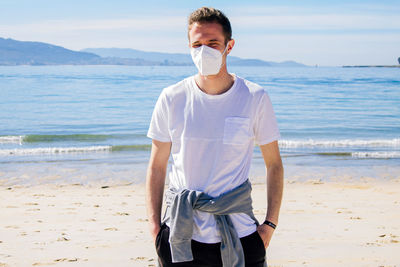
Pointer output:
83, 124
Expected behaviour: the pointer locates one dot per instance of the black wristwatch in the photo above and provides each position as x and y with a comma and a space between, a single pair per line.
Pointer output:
269, 224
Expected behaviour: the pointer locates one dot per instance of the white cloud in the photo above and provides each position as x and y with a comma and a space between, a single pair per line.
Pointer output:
151, 34
316, 22
322, 8
138, 24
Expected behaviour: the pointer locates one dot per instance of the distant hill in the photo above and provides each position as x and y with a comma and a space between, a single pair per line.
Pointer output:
133, 53
181, 59
13, 52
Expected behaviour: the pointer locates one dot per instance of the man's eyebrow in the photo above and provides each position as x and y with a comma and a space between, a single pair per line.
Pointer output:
209, 41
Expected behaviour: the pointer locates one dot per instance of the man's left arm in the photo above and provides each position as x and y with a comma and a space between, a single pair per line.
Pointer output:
273, 163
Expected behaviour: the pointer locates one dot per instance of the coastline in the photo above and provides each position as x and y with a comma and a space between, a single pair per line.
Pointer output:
373, 66
322, 223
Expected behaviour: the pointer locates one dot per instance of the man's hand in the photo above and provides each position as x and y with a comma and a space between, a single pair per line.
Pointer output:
154, 230
265, 233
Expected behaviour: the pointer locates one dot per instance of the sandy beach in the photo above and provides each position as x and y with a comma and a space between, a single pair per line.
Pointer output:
347, 223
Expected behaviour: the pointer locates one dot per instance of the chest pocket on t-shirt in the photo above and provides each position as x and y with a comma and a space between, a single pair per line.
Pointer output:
236, 131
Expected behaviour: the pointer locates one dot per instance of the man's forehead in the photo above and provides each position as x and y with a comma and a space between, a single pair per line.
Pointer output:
207, 30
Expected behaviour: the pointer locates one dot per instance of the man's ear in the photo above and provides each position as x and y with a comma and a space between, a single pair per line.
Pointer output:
230, 45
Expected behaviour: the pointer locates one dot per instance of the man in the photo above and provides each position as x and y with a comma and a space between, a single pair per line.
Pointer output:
209, 123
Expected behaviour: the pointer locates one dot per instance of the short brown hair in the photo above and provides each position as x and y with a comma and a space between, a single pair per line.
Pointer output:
209, 14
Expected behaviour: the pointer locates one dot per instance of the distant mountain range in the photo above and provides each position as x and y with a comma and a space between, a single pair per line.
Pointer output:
180, 59
13, 52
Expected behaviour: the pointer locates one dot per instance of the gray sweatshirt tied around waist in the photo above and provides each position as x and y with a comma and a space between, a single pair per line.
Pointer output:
179, 213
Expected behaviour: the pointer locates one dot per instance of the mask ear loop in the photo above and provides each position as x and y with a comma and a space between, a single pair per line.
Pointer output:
226, 49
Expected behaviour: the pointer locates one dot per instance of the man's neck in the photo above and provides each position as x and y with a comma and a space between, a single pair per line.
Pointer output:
215, 84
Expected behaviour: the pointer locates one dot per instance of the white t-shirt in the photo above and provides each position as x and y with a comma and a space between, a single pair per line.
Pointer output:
212, 142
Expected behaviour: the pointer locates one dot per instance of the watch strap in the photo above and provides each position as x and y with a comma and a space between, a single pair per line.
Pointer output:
269, 224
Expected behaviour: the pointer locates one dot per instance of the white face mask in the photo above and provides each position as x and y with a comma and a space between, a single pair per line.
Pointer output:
207, 60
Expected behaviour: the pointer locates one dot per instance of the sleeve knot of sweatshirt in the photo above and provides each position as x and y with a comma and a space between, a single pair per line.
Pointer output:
180, 206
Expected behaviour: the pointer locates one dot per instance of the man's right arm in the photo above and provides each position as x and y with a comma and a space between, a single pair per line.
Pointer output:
155, 180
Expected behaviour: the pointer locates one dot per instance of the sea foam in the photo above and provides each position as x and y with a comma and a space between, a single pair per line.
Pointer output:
11, 139
376, 155
53, 150
340, 143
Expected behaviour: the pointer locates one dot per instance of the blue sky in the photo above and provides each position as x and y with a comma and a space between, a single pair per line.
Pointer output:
327, 33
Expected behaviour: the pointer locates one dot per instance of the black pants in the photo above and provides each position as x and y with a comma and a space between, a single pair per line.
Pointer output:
210, 254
